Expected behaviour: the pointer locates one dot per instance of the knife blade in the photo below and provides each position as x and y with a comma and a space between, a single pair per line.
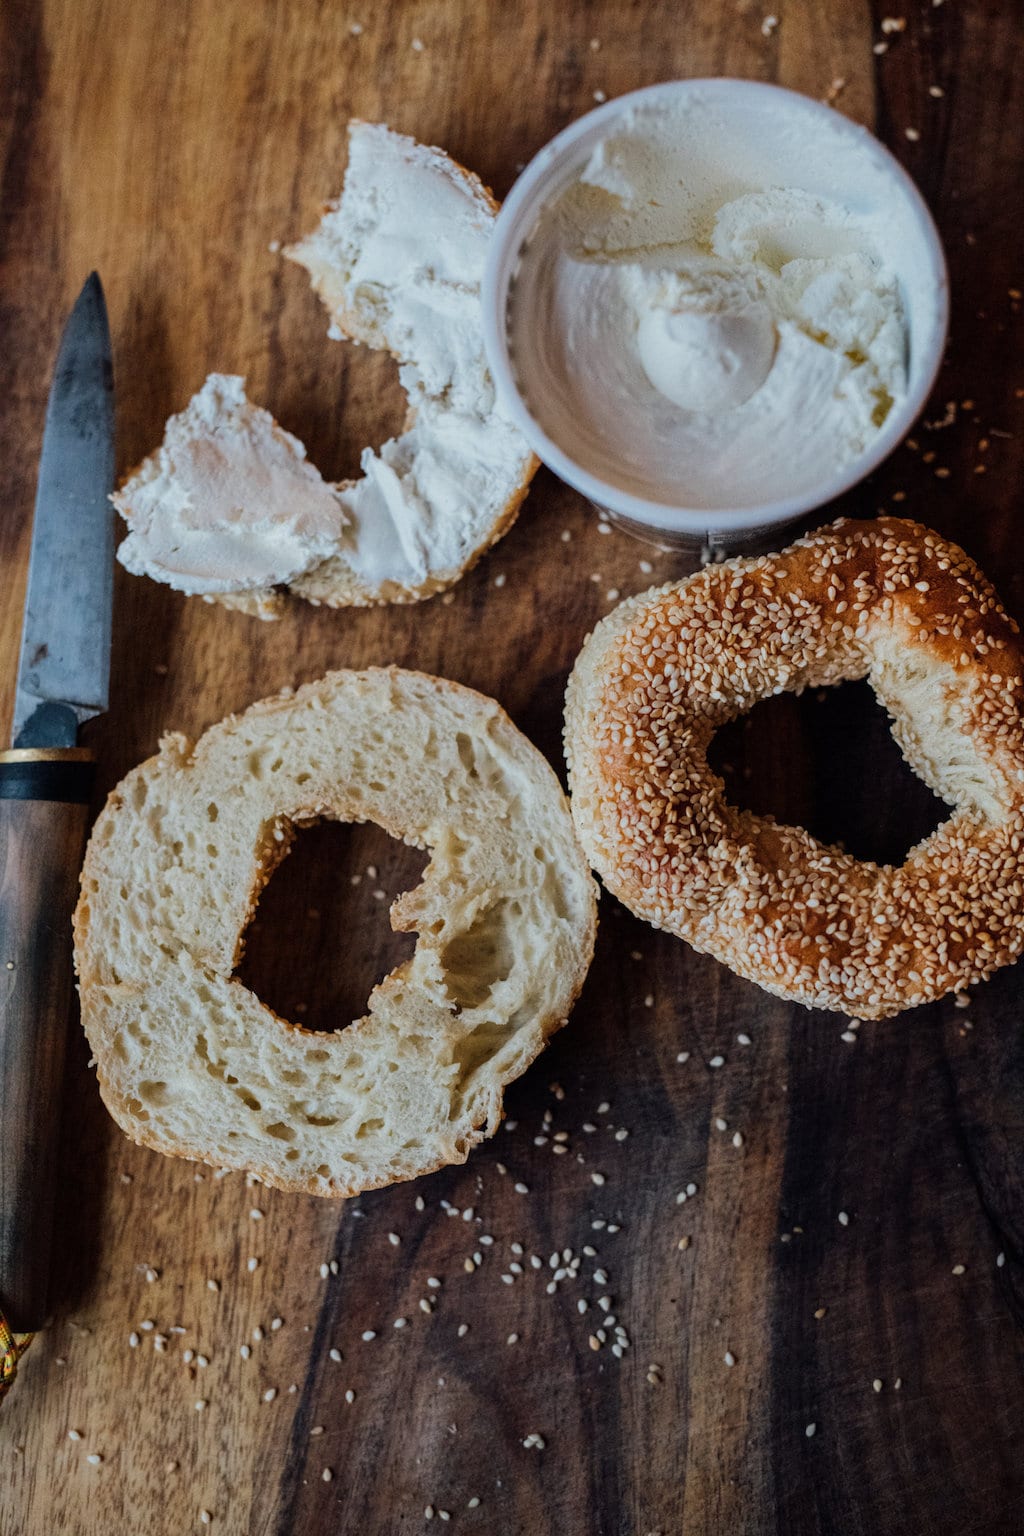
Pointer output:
45, 787
64, 668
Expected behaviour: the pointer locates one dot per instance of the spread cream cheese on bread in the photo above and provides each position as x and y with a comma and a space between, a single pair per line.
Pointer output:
229, 502
692, 336
398, 262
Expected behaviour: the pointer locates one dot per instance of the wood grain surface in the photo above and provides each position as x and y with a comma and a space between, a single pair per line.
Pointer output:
858, 1255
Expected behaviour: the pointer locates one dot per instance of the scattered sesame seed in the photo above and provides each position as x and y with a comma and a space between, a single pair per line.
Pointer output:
522, 1189
809, 1431
598, 1179
843, 1219
820, 1313
743, 1040
335, 1355
205, 1518
350, 1396
367, 1335
255, 1214
717, 1061
74, 1434
876, 1385
737, 1139
959, 1269
200, 1404
399, 1322
270, 1394
133, 1340
244, 1351
729, 1357
326, 1474
394, 1239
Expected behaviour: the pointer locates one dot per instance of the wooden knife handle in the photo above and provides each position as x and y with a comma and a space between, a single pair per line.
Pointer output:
44, 813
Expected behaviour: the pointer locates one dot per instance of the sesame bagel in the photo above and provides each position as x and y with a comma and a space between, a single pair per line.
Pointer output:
889, 601
192, 1063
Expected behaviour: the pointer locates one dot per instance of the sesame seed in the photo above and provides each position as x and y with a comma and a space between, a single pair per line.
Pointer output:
74, 1434
959, 1269
598, 1179
367, 1335
809, 1431
717, 1061
350, 1396
876, 1385
205, 1517
327, 1474
270, 1394
729, 1357
335, 1355
94, 1459
843, 1219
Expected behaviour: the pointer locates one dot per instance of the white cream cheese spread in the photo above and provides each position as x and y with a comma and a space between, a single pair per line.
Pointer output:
701, 340
229, 502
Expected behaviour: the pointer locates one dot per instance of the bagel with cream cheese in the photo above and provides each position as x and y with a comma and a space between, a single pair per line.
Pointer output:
889, 601
230, 508
192, 1063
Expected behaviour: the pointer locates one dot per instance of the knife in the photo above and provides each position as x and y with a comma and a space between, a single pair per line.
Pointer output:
45, 787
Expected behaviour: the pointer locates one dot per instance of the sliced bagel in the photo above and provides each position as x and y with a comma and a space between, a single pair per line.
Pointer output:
190, 1062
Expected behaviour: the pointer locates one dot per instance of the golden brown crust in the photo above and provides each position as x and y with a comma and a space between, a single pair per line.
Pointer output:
890, 601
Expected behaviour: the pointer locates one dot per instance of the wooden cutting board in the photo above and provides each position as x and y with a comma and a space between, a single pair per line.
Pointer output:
859, 1255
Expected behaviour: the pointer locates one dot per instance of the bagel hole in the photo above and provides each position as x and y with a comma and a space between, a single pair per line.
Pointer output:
826, 760
320, 939
373, 405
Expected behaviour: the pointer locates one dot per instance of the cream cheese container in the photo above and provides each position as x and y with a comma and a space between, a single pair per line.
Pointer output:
712, 306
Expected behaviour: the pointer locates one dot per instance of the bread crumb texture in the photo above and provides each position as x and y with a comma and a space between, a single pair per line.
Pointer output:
889, 601
190, 1062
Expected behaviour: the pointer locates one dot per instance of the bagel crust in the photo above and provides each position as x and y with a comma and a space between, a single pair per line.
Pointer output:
889, 601
192, 1063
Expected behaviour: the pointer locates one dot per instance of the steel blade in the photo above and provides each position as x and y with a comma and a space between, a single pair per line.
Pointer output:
65, 639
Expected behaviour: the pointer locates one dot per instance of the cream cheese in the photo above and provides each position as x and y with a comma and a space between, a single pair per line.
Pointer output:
698, 340
229, 502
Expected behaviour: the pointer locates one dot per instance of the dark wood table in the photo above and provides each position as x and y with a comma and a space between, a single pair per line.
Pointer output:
859, 1256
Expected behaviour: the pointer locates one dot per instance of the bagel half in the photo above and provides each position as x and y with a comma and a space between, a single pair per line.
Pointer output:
889, 601
230, 508
190, 1062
